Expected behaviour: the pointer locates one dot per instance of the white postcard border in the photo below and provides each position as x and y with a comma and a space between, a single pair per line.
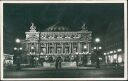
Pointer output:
125, 41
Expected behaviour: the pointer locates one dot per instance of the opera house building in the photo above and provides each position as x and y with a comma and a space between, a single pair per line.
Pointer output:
58, 41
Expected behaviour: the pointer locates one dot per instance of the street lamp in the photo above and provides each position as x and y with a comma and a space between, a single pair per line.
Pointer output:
97, 40
17, 40
15, 48
119, 50
77, 59
20, 48
18, 57
120, 60
100, 47
94, 47
18, 54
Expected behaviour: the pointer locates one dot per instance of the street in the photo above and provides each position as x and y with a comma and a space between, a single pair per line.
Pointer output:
64, 73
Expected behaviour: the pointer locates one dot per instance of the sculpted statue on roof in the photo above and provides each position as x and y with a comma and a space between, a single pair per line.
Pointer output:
33, 27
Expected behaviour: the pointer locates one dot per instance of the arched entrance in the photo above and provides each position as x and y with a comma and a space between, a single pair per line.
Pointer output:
58, 62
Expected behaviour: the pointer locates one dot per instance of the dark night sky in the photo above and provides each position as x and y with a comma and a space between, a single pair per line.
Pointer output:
18, 18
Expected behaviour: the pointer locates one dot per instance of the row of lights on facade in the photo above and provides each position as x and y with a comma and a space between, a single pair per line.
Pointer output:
76, 53
60, 37
118, 50
71, 56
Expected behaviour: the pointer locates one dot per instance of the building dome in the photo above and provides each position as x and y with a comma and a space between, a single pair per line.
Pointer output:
58, 28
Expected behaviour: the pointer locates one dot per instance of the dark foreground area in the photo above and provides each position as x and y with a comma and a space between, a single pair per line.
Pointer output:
85, 72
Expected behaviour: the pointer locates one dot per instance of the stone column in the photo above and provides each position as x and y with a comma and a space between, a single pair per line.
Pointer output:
39, 47
55, 48
36, 48
33, 50
28, 47
70, 48
46, 47
106, 59
88, 47
79, 47
62, 47
49, 48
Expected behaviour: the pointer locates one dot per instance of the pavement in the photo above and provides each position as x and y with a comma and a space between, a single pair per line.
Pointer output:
53, 68
65, 72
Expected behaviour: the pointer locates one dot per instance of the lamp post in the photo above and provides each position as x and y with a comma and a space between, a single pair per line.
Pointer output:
119, 57
97, 41
77, 59
18, 54
84, 56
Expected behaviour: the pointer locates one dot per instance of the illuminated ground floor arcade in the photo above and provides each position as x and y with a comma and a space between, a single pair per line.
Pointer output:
78, 52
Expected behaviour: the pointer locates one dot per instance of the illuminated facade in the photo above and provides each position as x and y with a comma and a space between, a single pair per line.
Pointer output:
58, 41
8, 59
114, 43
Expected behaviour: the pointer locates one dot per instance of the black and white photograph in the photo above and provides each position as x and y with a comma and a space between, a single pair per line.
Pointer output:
63, 40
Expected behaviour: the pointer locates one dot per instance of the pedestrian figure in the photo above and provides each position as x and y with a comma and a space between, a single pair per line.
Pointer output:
98, 63
18, 67
32, 61
42, 61
56, 63
77, 61
59, 62
116, 66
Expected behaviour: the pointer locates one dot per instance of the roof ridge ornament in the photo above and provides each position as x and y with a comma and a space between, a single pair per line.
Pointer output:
84, 27
33, 27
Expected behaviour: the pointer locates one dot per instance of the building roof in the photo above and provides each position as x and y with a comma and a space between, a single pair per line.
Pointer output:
57, 28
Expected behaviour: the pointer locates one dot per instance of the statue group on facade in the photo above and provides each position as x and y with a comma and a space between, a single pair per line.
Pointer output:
58, 63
